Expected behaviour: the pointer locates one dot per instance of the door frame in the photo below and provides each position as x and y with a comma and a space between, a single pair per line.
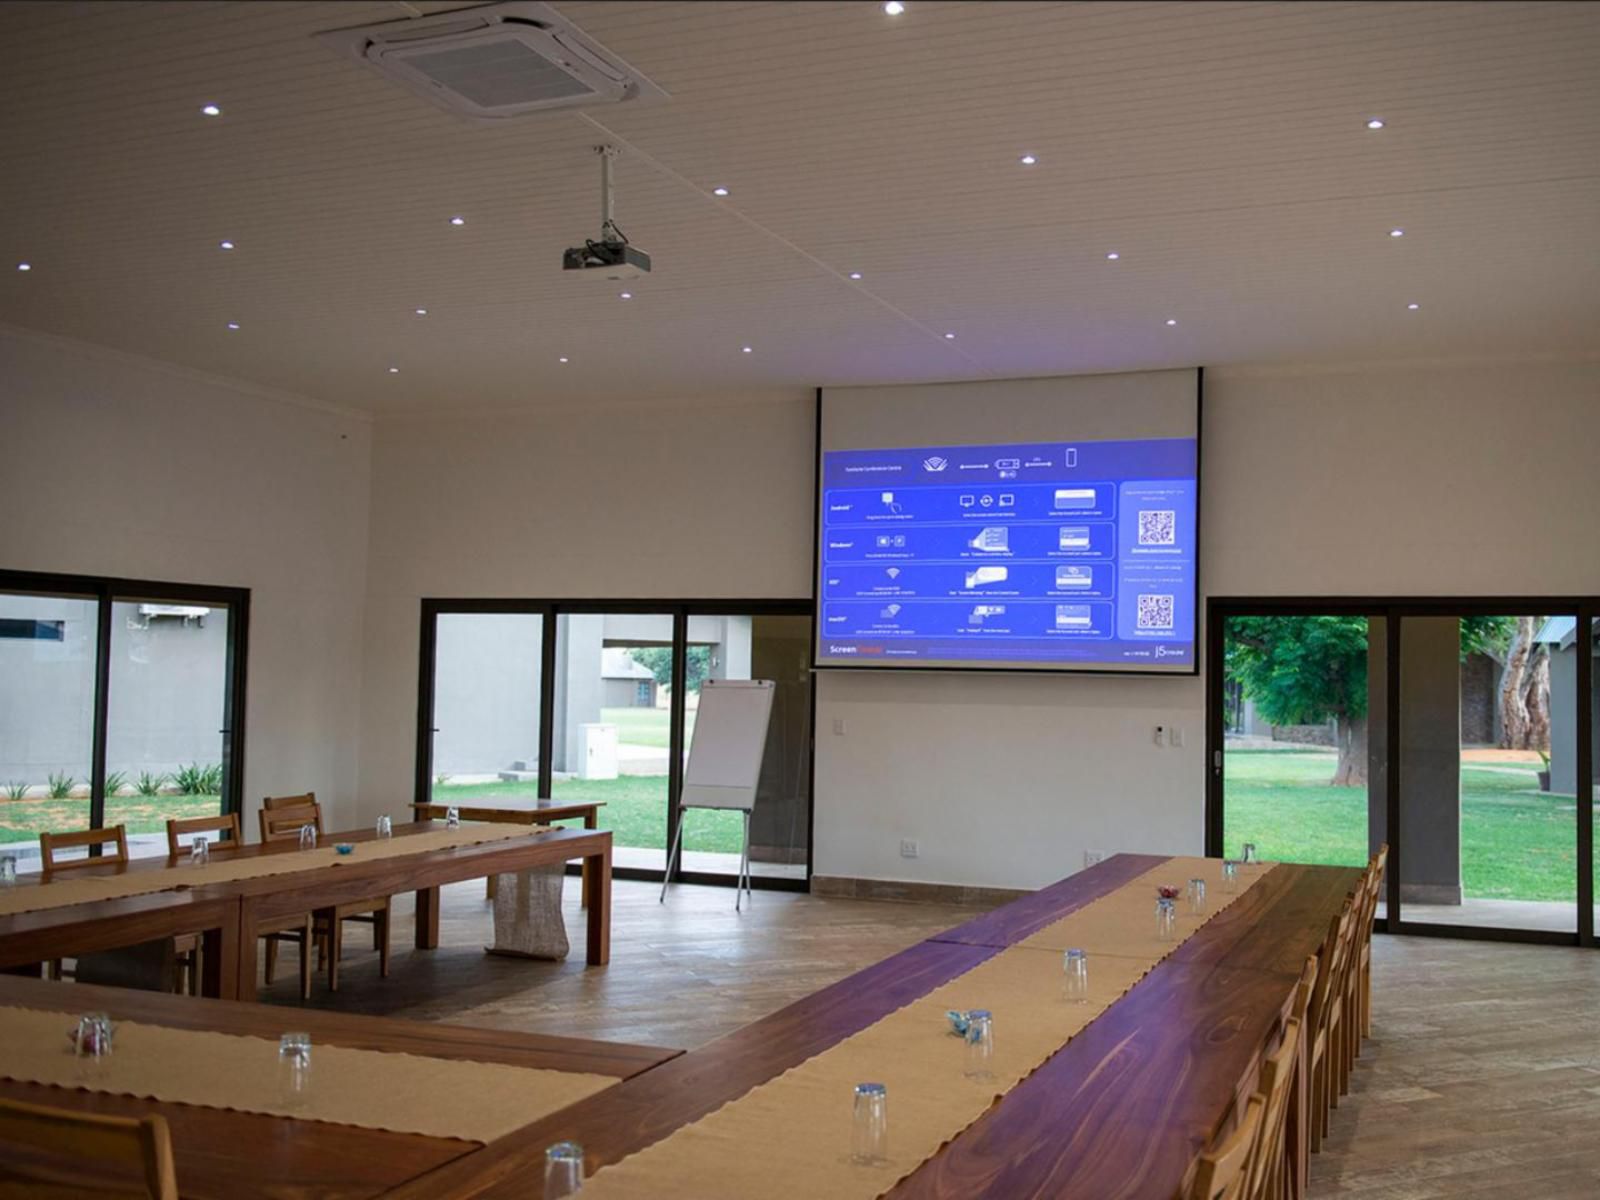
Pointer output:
680, 611
1393, 611
105, 589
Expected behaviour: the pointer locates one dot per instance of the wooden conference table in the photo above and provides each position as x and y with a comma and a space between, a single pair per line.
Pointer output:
223, 1154
227, 914
515, 810
1121, 1111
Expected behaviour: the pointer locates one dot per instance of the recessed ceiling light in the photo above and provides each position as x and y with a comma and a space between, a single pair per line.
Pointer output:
458, 220
1172, 320
225, 245
1397, 233
1375, 122
24, 266
421, 312
1028, 160
894, 8
949, 337
563, 358
855, 274
627, 295
394, 370
719, 191
233, 325
748, 350
211, 110
1113, 256
1413, 306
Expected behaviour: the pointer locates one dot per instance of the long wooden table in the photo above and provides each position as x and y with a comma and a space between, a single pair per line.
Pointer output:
515, 810
227, 1155
1119, 1113
228, 914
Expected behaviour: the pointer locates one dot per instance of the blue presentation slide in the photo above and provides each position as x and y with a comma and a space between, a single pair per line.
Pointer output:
1077, 554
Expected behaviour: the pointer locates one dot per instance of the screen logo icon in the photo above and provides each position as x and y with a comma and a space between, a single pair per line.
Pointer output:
935, 463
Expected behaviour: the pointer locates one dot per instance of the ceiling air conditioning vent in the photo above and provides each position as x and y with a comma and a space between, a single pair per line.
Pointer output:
497, 61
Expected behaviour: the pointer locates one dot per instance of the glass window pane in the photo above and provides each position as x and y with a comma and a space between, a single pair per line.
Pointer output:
775, 647
47, 669
1488, 818
486, 670
1301, 779
612, 725
165, 745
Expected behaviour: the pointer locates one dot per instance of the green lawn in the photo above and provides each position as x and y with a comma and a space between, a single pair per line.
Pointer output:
645, 726
1516, 842
24, 820
635, 810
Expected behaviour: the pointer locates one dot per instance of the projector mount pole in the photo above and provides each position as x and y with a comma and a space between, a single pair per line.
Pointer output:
608, 227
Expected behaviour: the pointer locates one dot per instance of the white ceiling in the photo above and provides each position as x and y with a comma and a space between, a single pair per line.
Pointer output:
1219, 148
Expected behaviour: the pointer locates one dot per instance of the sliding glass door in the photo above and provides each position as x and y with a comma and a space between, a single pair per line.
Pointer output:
47, 707
121, 703
1462, 733
597, 702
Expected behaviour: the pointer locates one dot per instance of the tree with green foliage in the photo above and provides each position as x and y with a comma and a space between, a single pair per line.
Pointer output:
658, 661
1306, 670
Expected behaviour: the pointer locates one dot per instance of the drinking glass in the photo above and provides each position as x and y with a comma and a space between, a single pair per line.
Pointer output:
1166, 919
386, 829
1075, 977
869, 1139
199, 850
92, 1039
452, 817
8, 868
563, 1170
308, 837
1230, 876
1197, 897
294, 1067
1250, 858
980, 1045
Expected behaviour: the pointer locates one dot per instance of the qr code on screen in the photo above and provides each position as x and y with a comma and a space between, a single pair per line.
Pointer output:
1155, 612
1158, 528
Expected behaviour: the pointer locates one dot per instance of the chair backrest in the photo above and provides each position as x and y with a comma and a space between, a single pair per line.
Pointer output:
284, 824
225, 823
49, 843
1223, 1172
58, 1139
1303, 990
1277, 1073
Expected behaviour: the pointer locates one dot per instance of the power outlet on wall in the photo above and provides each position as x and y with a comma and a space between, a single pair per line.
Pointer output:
1090, 857
909, 848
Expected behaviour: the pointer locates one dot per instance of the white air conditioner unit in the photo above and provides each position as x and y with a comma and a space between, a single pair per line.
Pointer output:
496, 61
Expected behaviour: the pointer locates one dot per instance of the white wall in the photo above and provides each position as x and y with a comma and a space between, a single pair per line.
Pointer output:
677, 501
116, 466
1481, 480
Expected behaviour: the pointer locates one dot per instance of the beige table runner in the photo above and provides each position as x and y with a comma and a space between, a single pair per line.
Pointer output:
402, 1093
225, 868
802, 1119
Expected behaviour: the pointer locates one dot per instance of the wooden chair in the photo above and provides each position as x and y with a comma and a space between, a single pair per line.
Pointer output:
1325, 1016
282, 818
1223, 1172
1270, 1170
42, 1148
49, 843
295, 929
1298, 1141
1380, 864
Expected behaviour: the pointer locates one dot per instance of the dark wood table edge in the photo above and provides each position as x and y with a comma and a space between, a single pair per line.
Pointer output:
536, 1051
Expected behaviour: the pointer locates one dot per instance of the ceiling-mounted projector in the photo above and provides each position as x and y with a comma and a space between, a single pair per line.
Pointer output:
611, 256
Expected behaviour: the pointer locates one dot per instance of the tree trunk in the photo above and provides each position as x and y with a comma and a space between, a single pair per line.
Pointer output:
1536, 699
1352, 768
1513, 705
